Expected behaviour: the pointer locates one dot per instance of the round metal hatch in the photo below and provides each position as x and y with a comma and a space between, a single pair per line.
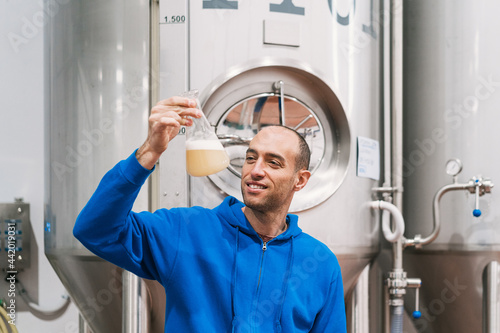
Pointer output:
247, 100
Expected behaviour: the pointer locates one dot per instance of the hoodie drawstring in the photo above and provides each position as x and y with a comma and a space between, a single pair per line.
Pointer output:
284, 286
233, 280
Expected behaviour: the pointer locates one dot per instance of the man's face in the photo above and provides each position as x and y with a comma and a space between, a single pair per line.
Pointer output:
268, 178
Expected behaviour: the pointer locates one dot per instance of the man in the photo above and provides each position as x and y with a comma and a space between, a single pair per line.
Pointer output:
235, 268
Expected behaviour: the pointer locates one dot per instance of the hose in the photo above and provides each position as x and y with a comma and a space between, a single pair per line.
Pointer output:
397, 319
38, 311
5, 316
3, 328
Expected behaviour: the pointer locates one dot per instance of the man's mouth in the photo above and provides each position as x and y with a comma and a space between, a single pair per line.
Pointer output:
256, 187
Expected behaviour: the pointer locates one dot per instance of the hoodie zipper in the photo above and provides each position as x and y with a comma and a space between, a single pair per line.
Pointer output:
264, 248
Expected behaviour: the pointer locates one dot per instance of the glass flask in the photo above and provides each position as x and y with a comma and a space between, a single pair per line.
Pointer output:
205, 154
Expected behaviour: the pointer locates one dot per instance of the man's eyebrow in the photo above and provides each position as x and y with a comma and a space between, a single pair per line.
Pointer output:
274, 155
277, 156
251, 151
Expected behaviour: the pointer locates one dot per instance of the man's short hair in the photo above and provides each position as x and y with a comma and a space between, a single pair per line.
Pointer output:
304, 153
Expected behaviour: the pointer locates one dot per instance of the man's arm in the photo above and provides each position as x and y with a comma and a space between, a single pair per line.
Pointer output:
106, 225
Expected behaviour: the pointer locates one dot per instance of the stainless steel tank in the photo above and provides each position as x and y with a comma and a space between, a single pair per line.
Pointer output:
97, 105
451, 99
318, 60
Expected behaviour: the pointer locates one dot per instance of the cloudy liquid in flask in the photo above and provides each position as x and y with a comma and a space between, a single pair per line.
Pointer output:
205, 154
205, 157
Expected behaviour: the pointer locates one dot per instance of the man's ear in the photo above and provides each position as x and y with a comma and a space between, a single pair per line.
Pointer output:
302, 179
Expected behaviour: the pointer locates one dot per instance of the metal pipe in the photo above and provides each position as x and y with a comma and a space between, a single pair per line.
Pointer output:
303, 121
131, 308
436, 215
397, 115
491, 289
477, 186
279, 86
399, 223
39, 311
154, 84
387, 100
396, 71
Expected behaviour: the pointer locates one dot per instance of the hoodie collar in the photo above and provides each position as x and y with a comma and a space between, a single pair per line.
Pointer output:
230, 210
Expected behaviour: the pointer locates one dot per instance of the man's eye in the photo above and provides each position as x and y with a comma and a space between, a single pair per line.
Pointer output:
275, 163
250, 158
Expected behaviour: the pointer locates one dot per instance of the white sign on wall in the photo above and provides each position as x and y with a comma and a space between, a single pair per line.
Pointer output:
368, 165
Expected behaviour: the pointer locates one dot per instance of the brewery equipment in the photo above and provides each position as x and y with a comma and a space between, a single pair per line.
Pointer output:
451, 99
313, 67
97, 104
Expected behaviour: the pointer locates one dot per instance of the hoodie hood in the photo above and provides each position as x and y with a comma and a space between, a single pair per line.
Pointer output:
230, 211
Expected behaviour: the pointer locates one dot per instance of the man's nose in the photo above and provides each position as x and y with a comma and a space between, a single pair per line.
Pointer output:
258, 169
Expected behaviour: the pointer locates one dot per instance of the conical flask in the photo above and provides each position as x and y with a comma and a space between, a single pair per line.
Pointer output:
205, 154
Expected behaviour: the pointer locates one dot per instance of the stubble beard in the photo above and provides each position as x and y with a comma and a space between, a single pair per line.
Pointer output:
264, 205
271, 203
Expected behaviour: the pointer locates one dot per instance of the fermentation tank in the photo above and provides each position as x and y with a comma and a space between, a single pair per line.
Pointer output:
97, 105
451, 100
313, 66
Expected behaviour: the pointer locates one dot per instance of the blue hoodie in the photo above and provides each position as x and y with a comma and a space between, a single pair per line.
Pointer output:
218, 274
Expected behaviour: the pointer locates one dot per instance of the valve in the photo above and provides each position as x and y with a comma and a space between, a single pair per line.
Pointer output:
415, 283
476, 185
477, 212
417, 314
479, 186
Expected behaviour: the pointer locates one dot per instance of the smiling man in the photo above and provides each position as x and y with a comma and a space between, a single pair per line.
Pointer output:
240, 267
276, 166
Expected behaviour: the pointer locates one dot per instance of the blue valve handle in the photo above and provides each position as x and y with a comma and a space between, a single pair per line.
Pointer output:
477, 212
417, 314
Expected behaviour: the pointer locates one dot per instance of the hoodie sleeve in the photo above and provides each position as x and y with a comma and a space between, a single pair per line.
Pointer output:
108, 227
331, 318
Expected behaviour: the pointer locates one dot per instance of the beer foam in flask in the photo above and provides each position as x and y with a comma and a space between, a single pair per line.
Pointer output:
205, 157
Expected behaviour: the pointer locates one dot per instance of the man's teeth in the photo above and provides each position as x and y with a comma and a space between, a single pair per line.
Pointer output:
256, 186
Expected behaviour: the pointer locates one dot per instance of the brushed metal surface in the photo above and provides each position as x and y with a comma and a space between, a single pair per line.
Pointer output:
97, 104
451, 98
451, 296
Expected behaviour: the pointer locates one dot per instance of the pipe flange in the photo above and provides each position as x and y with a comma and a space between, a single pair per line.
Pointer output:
397, 291
396, 302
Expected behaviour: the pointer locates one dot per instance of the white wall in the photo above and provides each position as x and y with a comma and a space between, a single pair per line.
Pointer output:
22, 144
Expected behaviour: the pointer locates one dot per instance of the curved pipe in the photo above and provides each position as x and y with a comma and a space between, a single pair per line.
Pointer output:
40, 312
48, 314
390, 236
435, 212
